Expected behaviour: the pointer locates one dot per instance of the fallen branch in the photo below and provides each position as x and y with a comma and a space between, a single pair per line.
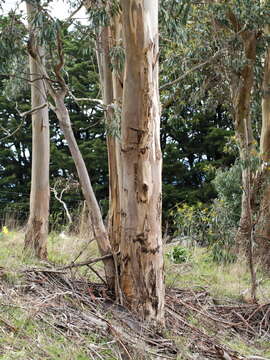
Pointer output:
97, 274
86, 263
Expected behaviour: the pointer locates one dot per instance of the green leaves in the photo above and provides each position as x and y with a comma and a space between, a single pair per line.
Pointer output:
179, 254
12, 42
101, 11
117, 56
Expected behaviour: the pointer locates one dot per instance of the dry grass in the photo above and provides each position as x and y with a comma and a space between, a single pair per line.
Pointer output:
46, 314
222, 281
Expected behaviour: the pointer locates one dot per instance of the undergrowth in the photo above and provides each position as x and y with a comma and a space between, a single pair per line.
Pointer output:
22, 336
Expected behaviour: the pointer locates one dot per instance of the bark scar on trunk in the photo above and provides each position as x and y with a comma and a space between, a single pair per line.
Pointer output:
140, 134
151, 251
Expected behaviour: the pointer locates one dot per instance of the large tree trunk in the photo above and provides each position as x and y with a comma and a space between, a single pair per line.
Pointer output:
37, 226
141, 265
99, 231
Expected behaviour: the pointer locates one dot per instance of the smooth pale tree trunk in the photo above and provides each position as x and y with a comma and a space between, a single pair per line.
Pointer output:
112, 92
114, 150
112, 97
99, 230
141, 265
37, 226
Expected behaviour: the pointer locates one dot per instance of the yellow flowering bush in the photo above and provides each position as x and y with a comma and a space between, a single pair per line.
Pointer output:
4, 231
193, 221
208, 226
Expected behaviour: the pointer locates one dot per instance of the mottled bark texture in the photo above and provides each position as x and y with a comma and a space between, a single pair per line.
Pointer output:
141, 258
37, 226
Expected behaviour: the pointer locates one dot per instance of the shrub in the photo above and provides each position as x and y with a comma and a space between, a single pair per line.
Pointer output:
179, 254
192, 221
214, 225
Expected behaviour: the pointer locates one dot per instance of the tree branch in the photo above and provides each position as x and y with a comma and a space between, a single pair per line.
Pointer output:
88, 99
86, 263
42, 106
22, 115
58, 67
13, 133
194, 68
73, 13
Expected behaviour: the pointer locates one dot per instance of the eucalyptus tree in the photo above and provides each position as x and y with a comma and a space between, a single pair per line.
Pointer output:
49, 33
58, 89
263, 227
37, 226
222, 45
140, 263
108, 40
107, 28
16, 69
135, 160
13, 66
244, 23
141, 266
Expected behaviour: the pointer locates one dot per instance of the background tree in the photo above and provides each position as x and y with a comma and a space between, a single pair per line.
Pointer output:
225, 42
37, 226
263, 225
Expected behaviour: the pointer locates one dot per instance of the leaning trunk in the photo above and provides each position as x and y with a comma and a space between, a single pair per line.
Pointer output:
99, 231
37, 226
141, 265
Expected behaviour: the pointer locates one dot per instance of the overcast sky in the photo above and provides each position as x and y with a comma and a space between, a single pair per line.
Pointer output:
58, 9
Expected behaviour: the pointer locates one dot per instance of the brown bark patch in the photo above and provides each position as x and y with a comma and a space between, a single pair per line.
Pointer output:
35, 238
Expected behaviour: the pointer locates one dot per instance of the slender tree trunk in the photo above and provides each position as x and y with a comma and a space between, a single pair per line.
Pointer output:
99, 231
263, 227
141, 265
112, 98
114, 150
241, 89
37, 226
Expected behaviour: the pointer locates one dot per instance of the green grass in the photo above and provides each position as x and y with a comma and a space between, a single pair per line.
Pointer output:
24, 336
222, 281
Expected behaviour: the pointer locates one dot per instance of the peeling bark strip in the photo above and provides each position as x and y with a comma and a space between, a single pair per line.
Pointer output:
141, 265
37, 226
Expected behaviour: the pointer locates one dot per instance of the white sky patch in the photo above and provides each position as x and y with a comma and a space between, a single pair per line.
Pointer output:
58, 9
